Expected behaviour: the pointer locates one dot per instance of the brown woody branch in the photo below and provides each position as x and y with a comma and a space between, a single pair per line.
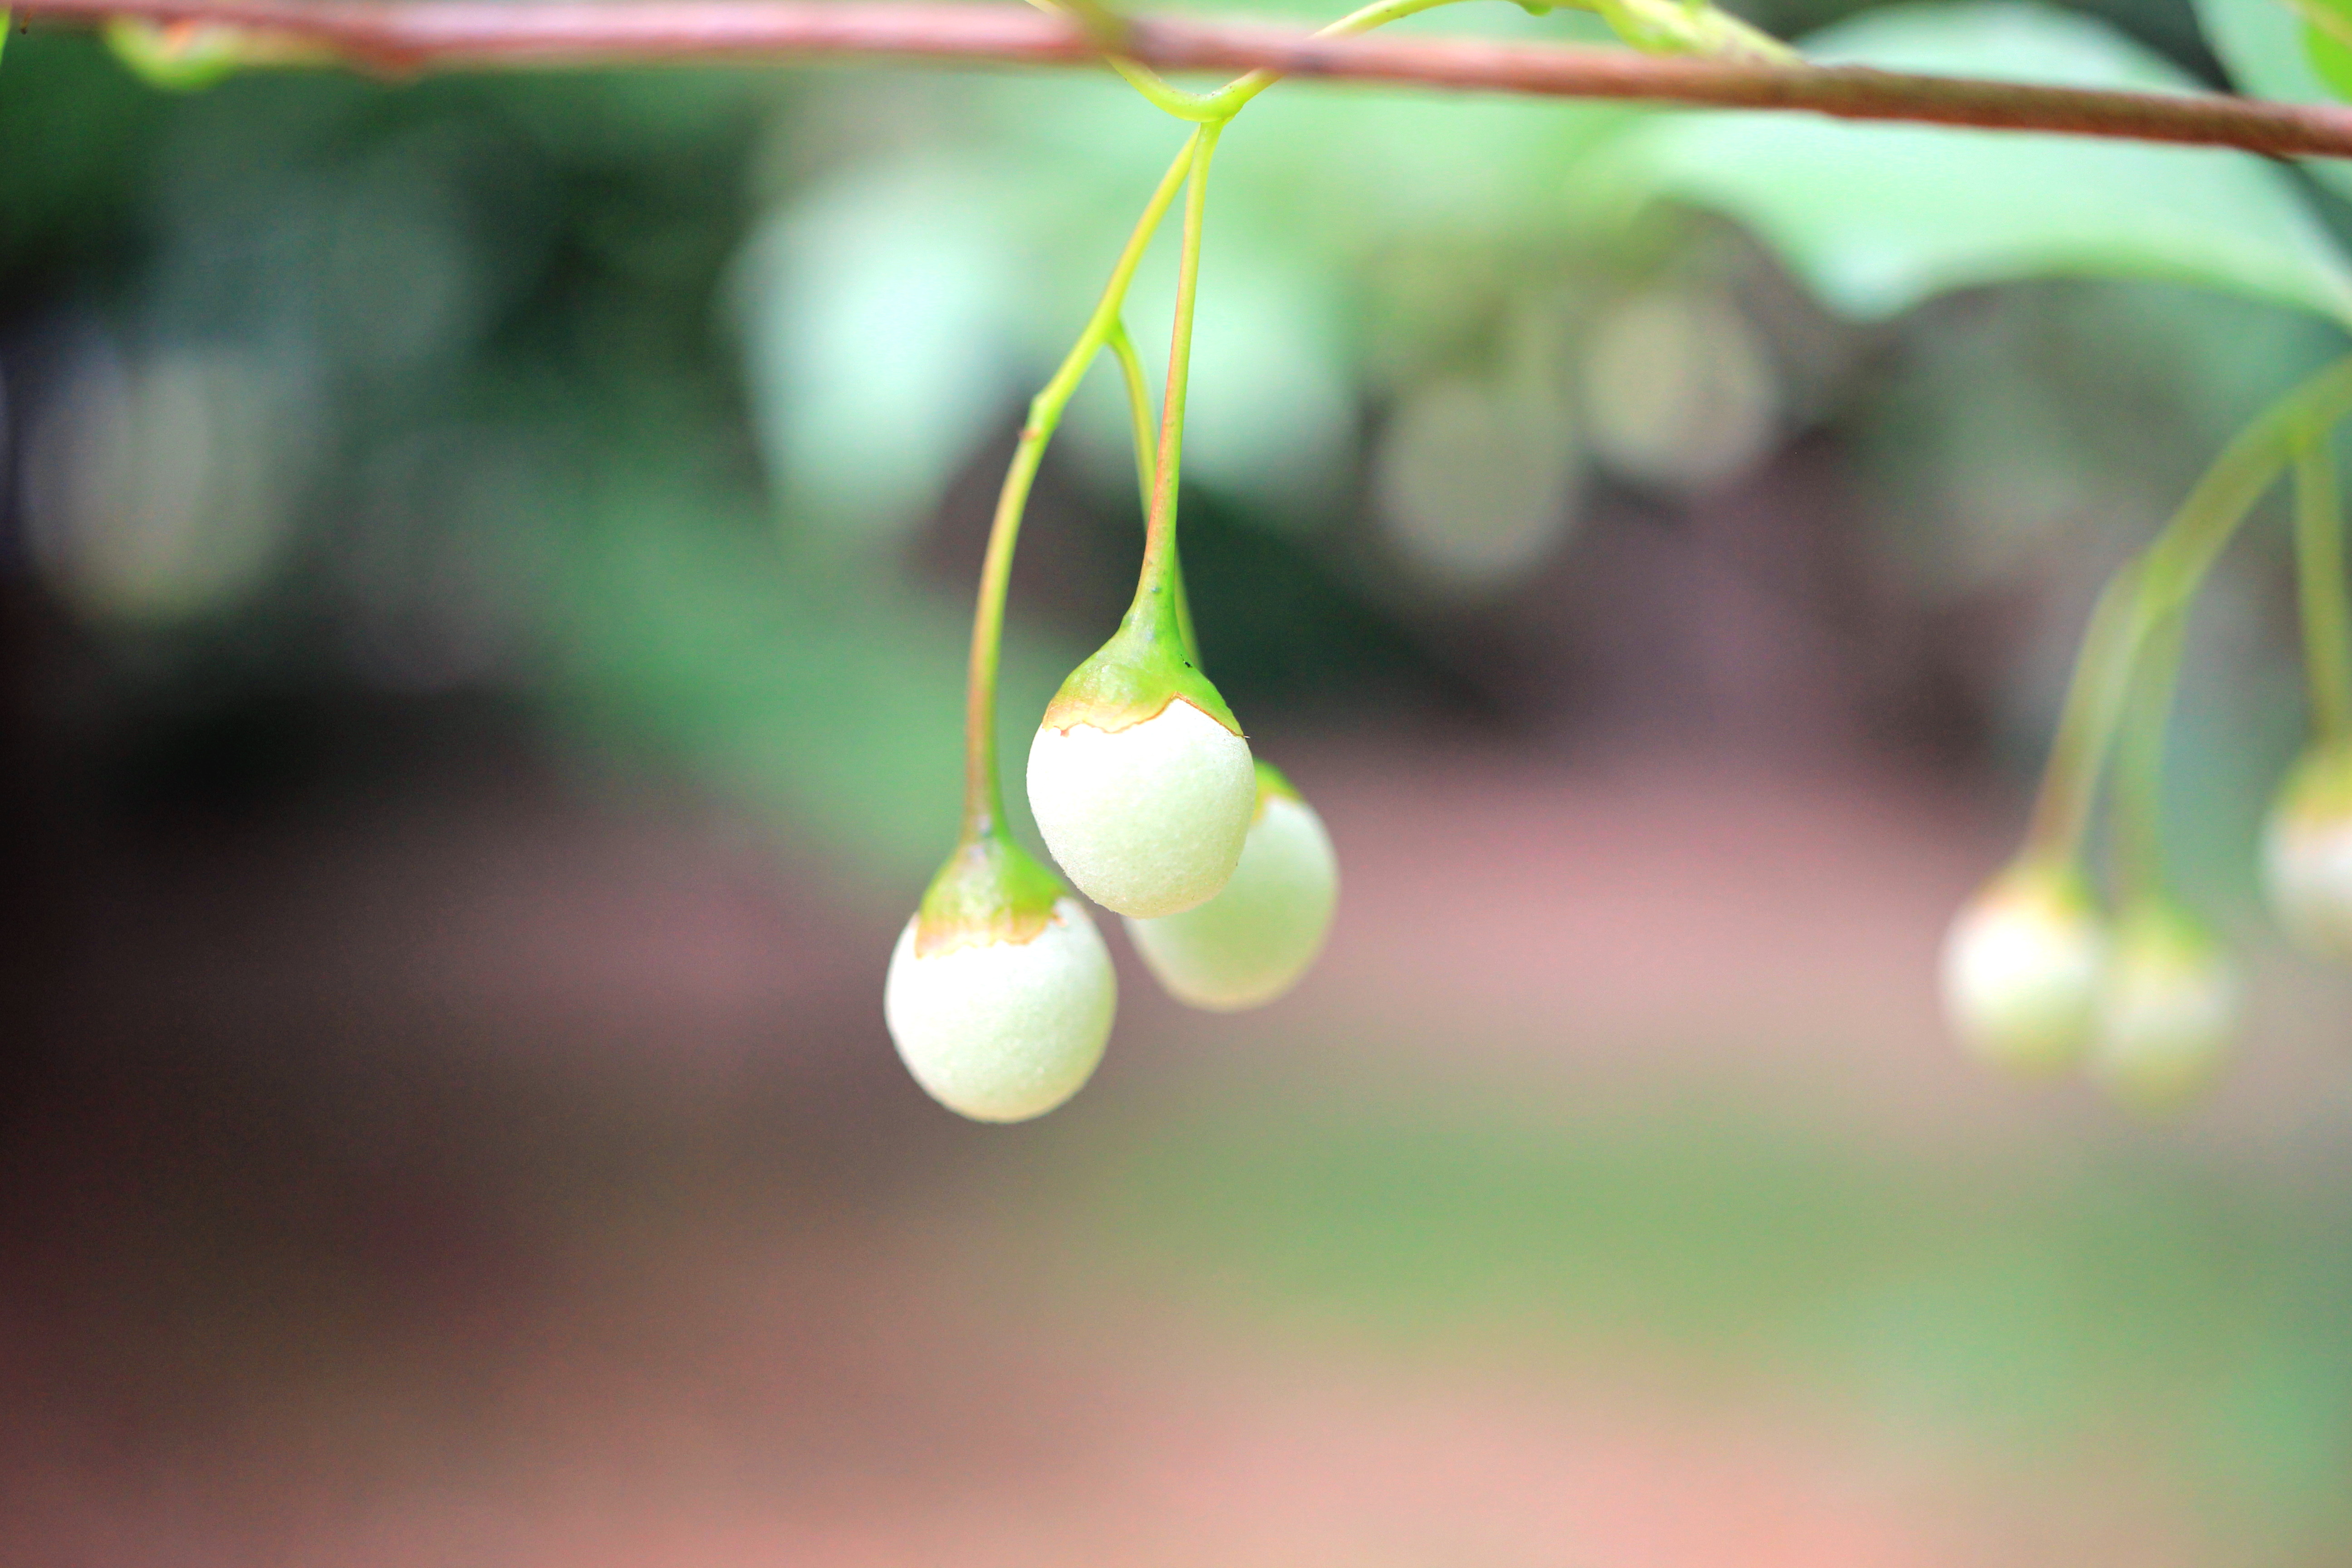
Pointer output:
404, 35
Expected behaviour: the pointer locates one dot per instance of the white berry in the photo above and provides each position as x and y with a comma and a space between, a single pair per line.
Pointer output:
2166, 1011
2307, 872
1251, 942
2022, 964
1150, 819
1002, 1031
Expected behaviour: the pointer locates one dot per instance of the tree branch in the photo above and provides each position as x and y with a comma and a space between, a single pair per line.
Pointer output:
406, 35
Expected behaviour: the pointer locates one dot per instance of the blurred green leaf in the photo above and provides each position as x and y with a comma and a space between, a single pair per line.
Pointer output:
1478, 480
803, 685
926, 295
876, 310
2328, 39
1877, 218
2262, 44
2049, 1303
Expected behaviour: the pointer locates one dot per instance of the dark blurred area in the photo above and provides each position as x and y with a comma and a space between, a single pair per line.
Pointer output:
483, 592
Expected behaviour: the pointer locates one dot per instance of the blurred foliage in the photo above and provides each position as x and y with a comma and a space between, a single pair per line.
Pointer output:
1879, 218
668, 400
2100, 1317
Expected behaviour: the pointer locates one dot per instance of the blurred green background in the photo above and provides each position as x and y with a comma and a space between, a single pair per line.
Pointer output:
486, 577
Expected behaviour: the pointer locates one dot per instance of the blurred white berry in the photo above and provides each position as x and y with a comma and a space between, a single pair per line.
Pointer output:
2022, 963
2168, 1009
1002, 1030
1251, 941
2307, 853
1147, 819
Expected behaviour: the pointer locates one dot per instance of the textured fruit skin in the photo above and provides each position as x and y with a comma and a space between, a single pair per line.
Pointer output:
2166, 1011
1251, 942
1002, 1031
2022, 969
1148, 819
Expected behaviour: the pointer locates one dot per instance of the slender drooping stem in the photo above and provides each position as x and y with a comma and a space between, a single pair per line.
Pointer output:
2070, 780
983, 792
1154, 593
2157, 582
407, 35
2319, 575
2140, 762
1141, 419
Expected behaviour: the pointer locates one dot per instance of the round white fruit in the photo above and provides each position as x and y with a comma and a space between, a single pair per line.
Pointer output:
2307, 872
1002, 1031
2022, 964
2167, 1014
1251, 942
1150, 819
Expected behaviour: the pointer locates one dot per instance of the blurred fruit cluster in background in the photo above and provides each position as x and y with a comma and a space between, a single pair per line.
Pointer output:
487, 569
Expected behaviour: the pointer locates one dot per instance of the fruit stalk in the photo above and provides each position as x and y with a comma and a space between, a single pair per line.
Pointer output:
1155, 593
983, 797
2139, 765
2160, 581
2319, 577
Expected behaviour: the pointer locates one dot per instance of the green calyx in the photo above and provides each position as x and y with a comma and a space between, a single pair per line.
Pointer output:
2157, 931
2054, 883
1272, 785
1136, 675
2320, 787
990, 890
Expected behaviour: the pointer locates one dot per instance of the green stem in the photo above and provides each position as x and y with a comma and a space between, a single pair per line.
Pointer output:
2070, 779
2159, 582
2319, 576
1139, 418
2139, 763
983, 792
1154, 601
1139, 407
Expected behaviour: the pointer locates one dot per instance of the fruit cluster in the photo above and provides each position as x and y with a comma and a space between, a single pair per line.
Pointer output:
1225, 877
1001, 992
2036, 976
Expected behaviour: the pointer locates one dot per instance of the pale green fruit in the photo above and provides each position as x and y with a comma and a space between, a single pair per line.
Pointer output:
1148, 819
2168, 1010
2022, 963
1251, 942
999, 1030
2307, 854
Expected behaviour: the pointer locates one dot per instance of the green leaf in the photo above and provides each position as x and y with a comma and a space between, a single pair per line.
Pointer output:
2264, 46
800, 685
2328, 39
876, 312
2260, 43
1877, 218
